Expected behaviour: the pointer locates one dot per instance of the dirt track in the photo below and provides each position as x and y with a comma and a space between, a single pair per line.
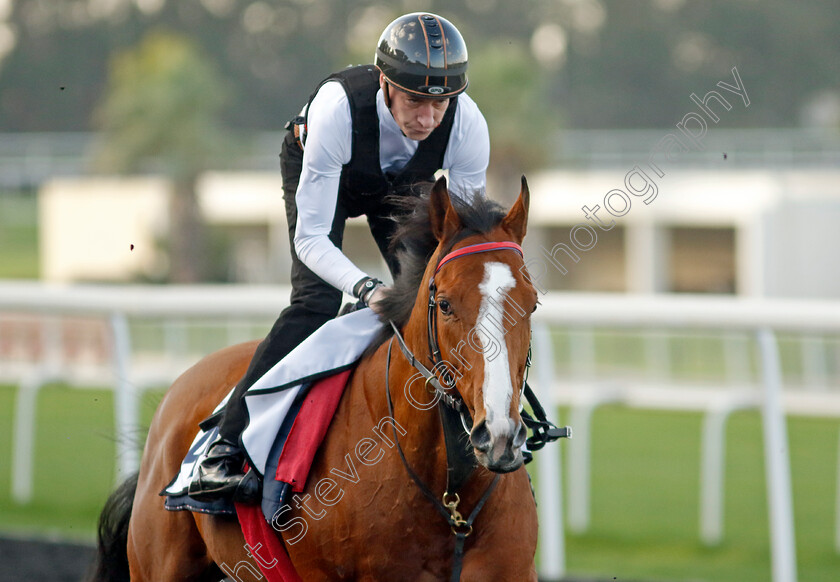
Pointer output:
29, 561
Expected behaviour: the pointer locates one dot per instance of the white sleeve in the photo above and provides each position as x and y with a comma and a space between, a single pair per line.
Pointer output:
328, 148
468, 152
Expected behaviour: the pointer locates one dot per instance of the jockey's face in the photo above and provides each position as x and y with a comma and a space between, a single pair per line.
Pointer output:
416, 116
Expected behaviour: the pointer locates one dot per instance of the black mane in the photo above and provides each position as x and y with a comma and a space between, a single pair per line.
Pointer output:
414, 244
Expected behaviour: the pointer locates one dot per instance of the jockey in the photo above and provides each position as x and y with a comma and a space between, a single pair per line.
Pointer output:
367, 132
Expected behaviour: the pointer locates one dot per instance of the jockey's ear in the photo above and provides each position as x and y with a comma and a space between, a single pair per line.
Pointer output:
516, 221
444, 220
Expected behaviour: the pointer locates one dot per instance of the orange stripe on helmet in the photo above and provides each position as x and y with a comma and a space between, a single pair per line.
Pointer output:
428, 45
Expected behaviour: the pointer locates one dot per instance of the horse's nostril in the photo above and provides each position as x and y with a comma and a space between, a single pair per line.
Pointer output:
480, 437
521, 435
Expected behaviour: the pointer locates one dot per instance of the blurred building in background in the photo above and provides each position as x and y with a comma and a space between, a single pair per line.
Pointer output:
754, 213
577, 93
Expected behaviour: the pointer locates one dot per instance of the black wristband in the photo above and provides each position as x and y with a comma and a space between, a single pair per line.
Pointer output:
365, 287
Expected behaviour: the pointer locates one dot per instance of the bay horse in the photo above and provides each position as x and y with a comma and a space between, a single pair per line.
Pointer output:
462, 302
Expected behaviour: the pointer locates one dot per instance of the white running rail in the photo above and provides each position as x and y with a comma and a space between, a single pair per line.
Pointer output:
760, 318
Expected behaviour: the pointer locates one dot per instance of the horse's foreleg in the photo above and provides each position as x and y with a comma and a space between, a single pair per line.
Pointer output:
506, 535
480, 567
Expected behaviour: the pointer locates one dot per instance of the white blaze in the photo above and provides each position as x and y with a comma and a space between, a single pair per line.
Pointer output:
498, 390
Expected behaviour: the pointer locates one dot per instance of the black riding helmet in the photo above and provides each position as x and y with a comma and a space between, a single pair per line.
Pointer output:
423, 54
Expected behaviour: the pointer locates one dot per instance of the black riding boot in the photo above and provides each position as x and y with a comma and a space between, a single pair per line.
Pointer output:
220, 476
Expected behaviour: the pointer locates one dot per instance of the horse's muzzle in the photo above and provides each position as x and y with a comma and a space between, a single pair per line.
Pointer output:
500, 454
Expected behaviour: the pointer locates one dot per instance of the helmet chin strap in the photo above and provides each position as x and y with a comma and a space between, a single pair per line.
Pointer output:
386, 95
386, 92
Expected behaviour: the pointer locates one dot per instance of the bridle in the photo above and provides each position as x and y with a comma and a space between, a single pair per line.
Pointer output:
459, 459
544, 430
459, 464
443, 385
431, 319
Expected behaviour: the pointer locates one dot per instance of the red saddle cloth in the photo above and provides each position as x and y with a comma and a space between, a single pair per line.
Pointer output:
308, 430
265, 546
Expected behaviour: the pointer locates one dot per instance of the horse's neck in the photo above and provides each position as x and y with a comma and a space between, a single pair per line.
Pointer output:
418, 432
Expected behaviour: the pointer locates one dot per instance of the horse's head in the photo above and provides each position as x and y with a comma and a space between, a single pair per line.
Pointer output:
479, 310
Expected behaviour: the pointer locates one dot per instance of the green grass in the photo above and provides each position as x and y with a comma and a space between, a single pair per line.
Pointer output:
18, 237
644, 489
74, 461
645, 500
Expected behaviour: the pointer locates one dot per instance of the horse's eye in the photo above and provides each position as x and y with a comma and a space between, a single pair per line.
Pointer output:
445, 307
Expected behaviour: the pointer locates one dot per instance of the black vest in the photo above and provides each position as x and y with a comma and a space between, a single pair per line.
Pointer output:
363, 183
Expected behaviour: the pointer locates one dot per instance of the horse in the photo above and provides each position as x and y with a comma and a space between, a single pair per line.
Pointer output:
462, 302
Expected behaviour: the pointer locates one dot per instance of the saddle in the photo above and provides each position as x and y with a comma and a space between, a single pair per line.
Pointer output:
290, 409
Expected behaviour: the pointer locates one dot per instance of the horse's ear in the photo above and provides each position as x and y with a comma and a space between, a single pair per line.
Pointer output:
445, 221
516, 221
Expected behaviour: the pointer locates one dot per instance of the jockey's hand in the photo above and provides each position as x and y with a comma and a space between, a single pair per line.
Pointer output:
376, 297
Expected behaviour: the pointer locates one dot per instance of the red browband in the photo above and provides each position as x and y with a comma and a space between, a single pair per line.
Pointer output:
479, 248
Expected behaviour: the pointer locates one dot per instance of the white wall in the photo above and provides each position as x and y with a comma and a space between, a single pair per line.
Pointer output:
786, 223
87, 228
